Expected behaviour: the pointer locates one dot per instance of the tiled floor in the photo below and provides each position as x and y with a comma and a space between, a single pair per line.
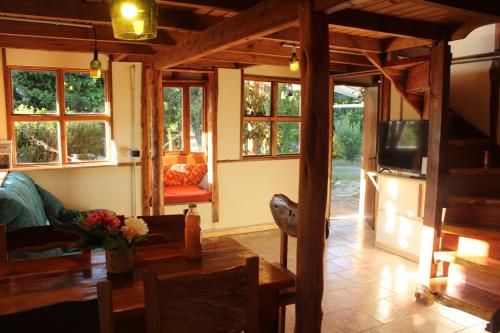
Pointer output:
366, 289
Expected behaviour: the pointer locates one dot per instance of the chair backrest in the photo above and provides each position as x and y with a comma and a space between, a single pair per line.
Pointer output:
220, 301
33, 239
170, 227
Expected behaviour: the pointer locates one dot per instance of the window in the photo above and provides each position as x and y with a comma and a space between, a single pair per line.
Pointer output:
184, 109
58, 117
271, 117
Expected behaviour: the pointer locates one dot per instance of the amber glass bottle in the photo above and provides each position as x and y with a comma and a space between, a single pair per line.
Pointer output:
192, 234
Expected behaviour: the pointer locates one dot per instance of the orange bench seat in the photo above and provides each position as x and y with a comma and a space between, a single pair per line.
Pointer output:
185, 194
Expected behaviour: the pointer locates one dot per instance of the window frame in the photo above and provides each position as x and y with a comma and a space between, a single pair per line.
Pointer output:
186, 117
273, 119
61, 118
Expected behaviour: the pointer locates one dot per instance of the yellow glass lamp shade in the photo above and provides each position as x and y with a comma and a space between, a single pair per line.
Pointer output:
294, 63
134, 19
95, 67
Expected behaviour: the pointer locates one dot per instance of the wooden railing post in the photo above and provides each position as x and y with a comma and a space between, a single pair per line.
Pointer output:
436, 155
494, 93
157, 142
313, 172
146, 139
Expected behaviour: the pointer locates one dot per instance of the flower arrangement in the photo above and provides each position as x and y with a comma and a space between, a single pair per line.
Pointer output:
103, 229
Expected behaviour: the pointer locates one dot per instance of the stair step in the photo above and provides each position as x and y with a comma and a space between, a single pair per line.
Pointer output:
472, 231
482, 264
474, 171
468, 142
472, 201
459, 295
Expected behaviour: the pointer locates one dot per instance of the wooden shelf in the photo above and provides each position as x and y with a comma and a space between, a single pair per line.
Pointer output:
482, 264
472, 201
472, 230
464, 297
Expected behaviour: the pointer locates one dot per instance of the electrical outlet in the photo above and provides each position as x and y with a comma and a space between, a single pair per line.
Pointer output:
135, 153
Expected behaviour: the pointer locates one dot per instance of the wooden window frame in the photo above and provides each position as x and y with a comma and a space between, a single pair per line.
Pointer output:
273, 119
186, 117
61, 118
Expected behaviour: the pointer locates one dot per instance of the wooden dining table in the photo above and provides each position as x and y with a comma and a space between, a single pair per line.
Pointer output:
30, 284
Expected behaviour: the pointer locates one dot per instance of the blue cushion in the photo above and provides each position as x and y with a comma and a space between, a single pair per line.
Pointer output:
52, 205
20, 203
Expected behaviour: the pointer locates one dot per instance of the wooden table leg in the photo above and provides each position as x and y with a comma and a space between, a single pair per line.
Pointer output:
268, 311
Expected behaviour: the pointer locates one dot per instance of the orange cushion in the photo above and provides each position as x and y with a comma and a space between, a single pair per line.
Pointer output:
185, 194
183, 174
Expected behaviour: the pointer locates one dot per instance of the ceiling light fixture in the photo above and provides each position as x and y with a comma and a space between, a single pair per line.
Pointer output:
294, 61
134, 19
95, 64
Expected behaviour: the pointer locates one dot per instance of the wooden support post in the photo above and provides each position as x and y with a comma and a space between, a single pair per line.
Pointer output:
146, 139
436, 155
313, 181
385, 99
494, 94
331, 101
157, 142
212, 99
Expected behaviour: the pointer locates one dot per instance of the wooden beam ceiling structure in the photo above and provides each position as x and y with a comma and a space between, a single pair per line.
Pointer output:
98, 13
483, 8
274, 15
226, 5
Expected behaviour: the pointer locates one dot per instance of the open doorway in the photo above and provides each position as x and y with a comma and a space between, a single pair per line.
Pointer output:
348, 112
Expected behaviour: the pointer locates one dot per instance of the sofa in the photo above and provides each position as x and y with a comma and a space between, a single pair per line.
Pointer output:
26, 204
185, 183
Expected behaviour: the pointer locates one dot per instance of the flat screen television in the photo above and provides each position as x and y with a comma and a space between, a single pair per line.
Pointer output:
402, 145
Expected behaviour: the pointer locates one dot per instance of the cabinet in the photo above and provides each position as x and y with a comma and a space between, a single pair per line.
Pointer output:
400, 212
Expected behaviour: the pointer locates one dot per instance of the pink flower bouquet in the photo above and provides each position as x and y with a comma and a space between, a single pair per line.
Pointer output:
103, 229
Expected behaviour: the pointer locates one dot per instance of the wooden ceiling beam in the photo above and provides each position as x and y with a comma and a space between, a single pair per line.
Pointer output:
104, 33
266, 17
273, 48
488, 9
98, 13
391, 25
228, 5
53, 44
338, 41
401, 43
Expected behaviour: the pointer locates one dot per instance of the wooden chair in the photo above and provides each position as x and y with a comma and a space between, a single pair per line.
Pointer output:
33, 239
220, 301
170, 227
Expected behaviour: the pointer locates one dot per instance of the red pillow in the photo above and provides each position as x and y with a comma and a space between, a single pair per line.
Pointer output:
183, 174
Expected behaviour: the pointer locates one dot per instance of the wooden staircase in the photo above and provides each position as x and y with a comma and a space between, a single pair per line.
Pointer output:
469, 256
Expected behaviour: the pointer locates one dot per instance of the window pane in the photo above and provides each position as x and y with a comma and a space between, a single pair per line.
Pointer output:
86, 140
83, 94
37, 142
256, 138
257, 98
34, 92
172, 105
288, 99
288, 138
196, 130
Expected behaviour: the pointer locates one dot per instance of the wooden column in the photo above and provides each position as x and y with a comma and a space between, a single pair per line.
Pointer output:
331, 100
436, 155
147, 73
212, 98
494, 93
157, 142
313, 181
385, 99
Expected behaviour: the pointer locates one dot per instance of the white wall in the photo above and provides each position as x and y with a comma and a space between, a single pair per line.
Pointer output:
470, 83
97, 187
246, 187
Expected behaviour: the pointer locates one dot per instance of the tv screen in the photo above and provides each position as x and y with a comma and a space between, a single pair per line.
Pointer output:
402, 144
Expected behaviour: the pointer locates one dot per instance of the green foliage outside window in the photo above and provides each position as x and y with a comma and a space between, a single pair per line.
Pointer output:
37, 142
83, 94
196, 118
86, 140
172, 106
34, 92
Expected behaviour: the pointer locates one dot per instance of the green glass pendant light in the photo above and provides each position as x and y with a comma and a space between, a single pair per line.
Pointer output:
134, 19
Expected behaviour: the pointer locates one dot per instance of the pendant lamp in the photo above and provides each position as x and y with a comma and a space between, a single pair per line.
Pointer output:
95, 64
134, 19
